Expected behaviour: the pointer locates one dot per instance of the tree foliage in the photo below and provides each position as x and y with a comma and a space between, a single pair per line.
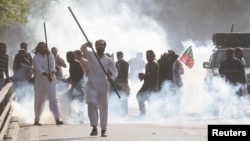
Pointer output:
13, 11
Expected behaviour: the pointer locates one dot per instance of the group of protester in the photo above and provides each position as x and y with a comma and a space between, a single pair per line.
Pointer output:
45, 70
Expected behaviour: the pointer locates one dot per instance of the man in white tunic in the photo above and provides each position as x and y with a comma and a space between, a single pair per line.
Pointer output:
45, 83
97, 87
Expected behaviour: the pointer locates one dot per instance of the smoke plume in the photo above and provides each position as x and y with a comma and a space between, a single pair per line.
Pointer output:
136, 26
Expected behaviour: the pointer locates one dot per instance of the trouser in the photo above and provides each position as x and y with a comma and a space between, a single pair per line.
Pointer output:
125, 87
94, 116
142, 97
76, 108
39, 108
77, 96
119, 107
124, 96
243, 90
124, 103
77, 91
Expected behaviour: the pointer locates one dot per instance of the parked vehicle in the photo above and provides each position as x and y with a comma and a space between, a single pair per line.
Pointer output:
222, 42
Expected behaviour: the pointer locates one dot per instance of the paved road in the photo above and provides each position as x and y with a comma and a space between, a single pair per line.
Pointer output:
116, 132
193, 129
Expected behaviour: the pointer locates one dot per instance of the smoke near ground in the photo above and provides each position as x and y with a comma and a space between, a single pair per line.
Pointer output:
133, 27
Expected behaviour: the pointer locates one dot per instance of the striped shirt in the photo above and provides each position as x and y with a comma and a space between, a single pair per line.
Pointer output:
4, 59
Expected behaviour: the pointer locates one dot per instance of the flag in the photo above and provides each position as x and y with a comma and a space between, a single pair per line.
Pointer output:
187, 57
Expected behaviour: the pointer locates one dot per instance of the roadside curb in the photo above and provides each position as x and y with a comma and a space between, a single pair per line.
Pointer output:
13, 130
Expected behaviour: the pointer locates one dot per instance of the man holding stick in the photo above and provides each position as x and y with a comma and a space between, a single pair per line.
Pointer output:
45, 83
97, 87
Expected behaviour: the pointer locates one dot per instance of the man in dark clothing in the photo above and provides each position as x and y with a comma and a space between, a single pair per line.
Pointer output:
167, 67
232, 69
22, 73
76, 75
170, 73
239, 54
76, 91
28, 56
150, 84
164, 69
122, 80
22, 66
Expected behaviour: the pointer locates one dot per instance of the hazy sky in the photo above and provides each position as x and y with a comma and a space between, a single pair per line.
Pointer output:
173, 20
197, 19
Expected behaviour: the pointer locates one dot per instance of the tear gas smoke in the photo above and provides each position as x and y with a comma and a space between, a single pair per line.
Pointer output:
126, 29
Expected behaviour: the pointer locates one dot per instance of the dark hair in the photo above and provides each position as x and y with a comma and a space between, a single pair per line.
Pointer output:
78, 53
171, 52
230, 50
119, 53
40, 44
70, 54
101, 40
238, 49
54, 48
23, 45
151, 52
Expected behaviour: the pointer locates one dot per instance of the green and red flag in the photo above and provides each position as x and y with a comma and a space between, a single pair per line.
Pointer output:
187, 57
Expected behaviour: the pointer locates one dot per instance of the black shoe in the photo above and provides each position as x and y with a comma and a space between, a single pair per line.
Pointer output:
94, 132
104, 133
37, 123
59, 122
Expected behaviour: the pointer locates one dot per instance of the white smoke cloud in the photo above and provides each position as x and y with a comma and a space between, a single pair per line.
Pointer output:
126, 29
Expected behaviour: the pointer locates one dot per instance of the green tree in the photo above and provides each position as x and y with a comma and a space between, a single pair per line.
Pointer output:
13, 11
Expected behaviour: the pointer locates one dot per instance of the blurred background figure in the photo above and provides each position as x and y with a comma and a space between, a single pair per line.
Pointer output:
60, 63
150, 84
22, 66
76, 92
137, 65
120, 107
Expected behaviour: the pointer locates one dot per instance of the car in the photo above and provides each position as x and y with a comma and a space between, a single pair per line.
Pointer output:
223, 41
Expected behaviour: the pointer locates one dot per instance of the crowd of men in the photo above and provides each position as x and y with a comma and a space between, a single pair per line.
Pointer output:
45, 69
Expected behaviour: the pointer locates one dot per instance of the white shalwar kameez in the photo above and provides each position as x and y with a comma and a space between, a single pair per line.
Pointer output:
45, 90
97, 87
